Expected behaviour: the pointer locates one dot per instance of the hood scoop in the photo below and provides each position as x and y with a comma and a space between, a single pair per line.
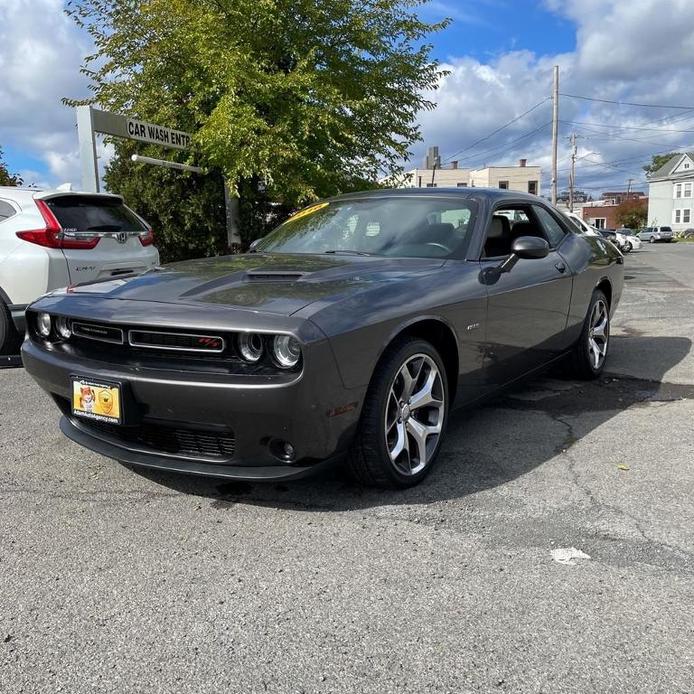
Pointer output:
274, 275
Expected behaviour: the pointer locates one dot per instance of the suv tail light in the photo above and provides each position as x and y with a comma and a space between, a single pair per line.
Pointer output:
147, 237
53, 236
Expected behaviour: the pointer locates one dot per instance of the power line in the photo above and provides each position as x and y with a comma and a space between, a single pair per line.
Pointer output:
479, 155
624, 127
625, 103
498, 130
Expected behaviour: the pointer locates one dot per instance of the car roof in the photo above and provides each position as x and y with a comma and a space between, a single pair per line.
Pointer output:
24, 196
492, 194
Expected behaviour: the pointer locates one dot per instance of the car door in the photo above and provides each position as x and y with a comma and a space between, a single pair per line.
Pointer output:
527, 308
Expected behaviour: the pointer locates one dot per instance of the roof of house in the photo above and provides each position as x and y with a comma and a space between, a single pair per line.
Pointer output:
666, 169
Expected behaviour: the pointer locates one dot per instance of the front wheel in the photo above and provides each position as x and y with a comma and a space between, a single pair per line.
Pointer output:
651, 240
403, 419
590, 351
627, 247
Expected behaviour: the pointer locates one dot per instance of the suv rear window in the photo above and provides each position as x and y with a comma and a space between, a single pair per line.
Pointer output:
93, 213
665, 228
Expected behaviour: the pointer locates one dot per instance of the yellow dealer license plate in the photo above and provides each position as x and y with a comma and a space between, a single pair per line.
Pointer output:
96, 400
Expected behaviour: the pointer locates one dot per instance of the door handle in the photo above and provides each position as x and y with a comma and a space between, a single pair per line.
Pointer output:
560, 266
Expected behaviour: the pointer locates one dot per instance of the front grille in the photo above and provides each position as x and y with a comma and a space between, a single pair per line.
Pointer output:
101, 333
181, 342
169, 440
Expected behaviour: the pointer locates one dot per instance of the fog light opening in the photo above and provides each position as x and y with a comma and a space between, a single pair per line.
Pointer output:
282, 450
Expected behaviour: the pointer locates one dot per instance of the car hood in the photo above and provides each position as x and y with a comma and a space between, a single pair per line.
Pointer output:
277, 283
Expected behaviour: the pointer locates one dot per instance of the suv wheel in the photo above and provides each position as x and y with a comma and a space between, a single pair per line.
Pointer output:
403, 419
9, 338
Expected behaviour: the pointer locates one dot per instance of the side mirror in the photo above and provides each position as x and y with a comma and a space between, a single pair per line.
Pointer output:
530, 247
254, 245
527, 248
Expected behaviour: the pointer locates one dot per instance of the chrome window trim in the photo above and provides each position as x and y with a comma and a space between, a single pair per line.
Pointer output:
141, 345
76, 332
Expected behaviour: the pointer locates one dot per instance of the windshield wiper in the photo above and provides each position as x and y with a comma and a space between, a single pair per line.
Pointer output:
344, 251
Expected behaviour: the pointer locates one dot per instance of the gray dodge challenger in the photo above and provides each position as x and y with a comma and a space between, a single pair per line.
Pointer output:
347, 334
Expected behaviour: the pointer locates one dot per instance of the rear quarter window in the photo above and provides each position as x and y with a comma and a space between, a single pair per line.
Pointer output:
86, 213
6, 210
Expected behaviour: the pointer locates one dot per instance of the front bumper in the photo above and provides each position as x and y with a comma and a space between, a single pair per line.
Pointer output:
300, 410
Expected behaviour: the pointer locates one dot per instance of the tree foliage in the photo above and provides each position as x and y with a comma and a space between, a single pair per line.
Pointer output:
658, 160
6, 178
632, 214
288, 100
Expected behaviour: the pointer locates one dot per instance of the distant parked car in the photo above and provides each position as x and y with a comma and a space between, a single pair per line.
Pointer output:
688, 234
609, 234
627, 240
54, 238
581, 224
655, 234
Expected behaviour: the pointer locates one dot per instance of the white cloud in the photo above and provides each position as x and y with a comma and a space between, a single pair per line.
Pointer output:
638, 51
40, 56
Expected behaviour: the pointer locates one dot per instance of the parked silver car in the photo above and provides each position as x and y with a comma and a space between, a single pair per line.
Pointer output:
655, 234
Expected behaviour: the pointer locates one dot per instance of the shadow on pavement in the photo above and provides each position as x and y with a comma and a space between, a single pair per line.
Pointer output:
485, 447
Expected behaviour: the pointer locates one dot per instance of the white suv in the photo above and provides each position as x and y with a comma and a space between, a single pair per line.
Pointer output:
55, 238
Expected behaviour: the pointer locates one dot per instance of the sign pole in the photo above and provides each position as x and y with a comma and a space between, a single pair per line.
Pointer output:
87, 146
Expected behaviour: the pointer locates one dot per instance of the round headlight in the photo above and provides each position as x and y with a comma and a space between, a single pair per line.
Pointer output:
286, 350
43, 324
63, 327
251, 346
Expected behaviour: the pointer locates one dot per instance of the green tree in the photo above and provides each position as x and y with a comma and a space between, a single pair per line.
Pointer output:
632, 214
658, 160
288, 100
6, 178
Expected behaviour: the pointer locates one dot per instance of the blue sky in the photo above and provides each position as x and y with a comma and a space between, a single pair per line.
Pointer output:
487, 28
499, 54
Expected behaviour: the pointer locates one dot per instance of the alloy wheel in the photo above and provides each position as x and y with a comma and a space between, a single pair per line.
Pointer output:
414, 415
598, 333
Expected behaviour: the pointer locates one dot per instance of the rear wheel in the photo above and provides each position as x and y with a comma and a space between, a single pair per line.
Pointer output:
9, 338
590, 352
403, 419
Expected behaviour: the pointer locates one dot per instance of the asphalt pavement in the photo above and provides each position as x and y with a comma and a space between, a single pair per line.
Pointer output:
114, 580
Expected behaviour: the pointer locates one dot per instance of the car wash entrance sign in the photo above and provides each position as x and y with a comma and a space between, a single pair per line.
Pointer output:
91, 121
156, 135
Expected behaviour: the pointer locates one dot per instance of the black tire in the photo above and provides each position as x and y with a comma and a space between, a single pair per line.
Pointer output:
627, 247
9, 338
369, 461
582, 365
651, 240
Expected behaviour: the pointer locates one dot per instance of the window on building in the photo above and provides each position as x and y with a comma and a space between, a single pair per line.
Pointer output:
598, 222
462, 185
678, 190
686, 166
686, 216
687, 190
503, 185
678, 216
532, 187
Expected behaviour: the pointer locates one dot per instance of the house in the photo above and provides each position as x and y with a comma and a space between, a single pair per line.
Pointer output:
602, 214
671, 193
521, 177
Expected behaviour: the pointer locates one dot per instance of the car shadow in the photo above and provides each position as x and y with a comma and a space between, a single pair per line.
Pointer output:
485, 447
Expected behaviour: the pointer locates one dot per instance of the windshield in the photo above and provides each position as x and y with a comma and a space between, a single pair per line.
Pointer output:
415, 227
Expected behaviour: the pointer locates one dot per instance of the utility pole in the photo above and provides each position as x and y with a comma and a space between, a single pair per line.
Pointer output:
572, 174
629, 182
555, 132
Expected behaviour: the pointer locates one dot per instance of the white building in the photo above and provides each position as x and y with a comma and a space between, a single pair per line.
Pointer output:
671, 194
522, 177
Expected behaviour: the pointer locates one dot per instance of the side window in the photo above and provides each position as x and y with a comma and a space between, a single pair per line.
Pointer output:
553, 230
6, 211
